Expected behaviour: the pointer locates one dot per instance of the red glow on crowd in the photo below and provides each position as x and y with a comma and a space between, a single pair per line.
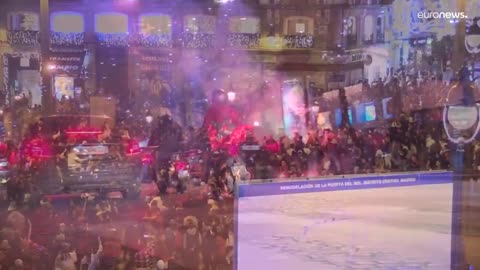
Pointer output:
224, 128
37, 149
132, 147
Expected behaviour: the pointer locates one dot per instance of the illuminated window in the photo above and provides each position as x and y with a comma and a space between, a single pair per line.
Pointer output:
368, 28
244, 25
24, 21
298, 26
111, 23
200, 24
67, 22
155, 24
351, 26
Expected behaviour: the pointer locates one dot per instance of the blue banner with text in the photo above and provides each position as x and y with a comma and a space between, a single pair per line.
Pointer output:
344, 183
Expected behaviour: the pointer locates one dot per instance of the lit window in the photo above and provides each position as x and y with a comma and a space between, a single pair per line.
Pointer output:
24, 22
245, 25
155, 24
111, 23
298, 25
67, 22
300, 28
200, 24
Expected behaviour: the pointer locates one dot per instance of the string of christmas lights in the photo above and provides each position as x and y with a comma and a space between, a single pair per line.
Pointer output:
241, 40
197, 40
298, 41
67, 39
29, 38
6, 75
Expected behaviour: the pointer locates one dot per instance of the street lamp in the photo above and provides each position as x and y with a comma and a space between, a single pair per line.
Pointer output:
231, 96
47, 97
149, 118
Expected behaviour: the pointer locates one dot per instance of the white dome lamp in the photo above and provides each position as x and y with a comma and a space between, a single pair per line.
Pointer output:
231, 96
149, 118
460, 118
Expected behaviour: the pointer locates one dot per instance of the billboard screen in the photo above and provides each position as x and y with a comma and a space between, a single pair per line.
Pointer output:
387, 108
294, 118
395, 221
366, 112
338, 116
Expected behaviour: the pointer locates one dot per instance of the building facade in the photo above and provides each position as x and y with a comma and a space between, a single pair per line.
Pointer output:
140, 49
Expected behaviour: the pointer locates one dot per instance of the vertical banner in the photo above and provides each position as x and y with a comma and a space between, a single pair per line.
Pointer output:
294, 118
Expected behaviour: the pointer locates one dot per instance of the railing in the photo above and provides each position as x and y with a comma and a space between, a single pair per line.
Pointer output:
154, 41
113, 40
197, 40
243, 41
23, 38
345, 57
298, 41
351, 41
368, 42
124, 40
67, 39
380, 38
364, 2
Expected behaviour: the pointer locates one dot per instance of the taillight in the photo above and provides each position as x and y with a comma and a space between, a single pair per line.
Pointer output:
3, 165
147, 159
133, 148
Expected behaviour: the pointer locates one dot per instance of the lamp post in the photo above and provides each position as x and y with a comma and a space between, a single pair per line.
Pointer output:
47, 102
459, 42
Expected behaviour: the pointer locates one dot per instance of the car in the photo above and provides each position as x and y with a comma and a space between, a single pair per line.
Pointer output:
72, 154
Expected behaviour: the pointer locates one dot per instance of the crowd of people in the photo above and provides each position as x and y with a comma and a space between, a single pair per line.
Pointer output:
189, 224
166, 232
187, 221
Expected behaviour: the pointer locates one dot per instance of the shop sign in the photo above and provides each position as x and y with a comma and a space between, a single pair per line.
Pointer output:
151, 62
70, 63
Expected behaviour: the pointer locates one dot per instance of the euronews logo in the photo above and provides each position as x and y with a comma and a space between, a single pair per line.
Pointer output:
441, 15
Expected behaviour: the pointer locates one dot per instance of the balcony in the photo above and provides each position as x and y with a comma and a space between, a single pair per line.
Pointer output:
298, 41
368, 42
345, 57
23, 38
352, 40
153, 41
113, 40
243, 41
364, 2
380, 37
197, 40
67, 39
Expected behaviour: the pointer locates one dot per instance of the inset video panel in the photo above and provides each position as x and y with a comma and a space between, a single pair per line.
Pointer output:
401, 221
